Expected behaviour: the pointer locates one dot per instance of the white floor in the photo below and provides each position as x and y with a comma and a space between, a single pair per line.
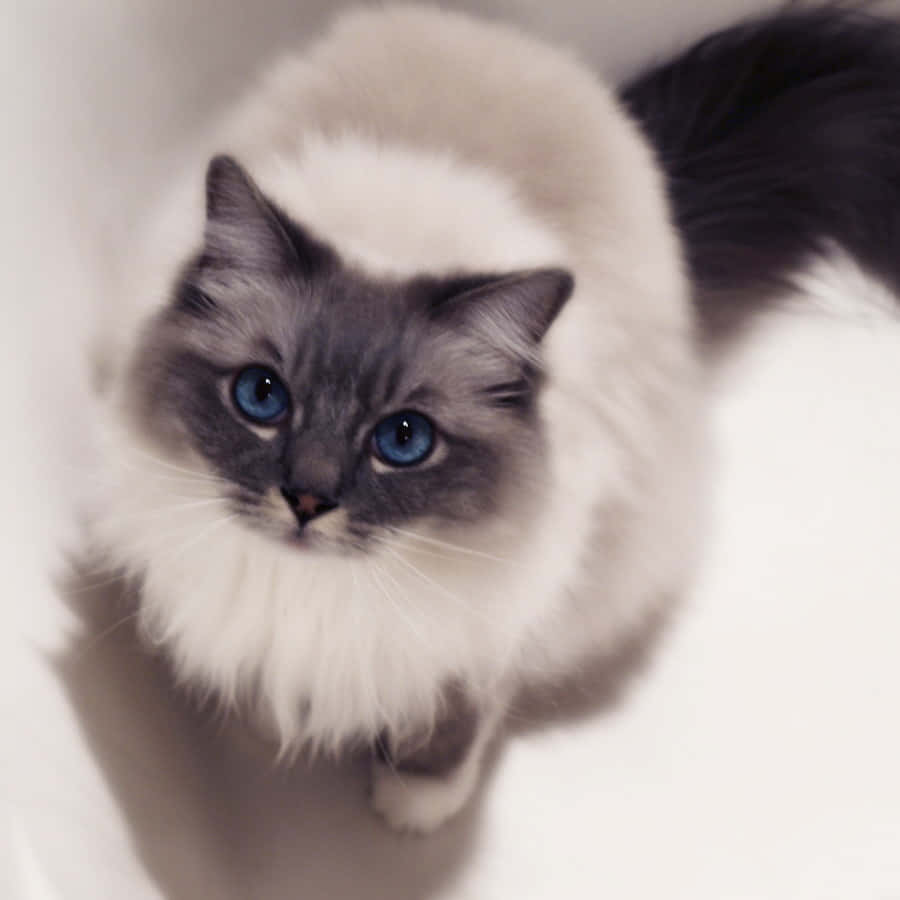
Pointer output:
757, 757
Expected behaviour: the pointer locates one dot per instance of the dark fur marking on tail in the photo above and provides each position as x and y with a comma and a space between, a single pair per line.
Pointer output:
777, 136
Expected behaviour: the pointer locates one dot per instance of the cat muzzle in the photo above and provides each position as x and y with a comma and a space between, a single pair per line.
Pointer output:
306, 506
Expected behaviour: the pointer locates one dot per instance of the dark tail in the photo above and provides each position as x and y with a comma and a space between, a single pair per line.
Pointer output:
779, 136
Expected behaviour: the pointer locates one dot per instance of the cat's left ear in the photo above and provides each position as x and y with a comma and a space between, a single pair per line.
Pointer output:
513, 312
245, 230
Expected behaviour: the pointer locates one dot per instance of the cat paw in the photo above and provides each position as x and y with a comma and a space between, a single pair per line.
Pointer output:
420, 803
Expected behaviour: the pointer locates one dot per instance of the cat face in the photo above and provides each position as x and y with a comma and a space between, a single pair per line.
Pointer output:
332, 406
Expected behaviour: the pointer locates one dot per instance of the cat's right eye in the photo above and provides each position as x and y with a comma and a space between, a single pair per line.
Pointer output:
260, 395
403, 439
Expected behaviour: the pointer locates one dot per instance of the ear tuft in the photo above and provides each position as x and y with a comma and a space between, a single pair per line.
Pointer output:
514, 311
246, 230
230, 192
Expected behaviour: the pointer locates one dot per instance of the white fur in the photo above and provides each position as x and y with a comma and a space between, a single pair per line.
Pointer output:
421, 803
416, 140
834, 284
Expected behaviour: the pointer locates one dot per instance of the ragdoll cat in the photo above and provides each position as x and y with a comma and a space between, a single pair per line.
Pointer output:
411, 420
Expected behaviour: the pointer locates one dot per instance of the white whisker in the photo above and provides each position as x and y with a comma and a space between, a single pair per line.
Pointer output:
87, 587
197, 538
446, 545
375, 572
167, 465
173, 510
438, 587
96, 639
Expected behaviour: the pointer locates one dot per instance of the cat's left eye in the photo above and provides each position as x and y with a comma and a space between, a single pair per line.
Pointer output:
403, 439
260, 395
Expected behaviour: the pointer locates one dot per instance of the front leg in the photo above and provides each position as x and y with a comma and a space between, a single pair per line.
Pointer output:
420, 782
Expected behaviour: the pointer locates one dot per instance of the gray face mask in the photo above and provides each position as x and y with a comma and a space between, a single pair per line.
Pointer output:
334, 405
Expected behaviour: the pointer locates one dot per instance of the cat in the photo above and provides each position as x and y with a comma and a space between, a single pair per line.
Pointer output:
409, 415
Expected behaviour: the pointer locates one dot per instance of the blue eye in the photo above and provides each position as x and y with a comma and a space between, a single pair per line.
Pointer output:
259, 394
403, 439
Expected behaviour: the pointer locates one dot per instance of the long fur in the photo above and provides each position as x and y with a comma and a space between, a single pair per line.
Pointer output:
418, 142
778, 137
415, 141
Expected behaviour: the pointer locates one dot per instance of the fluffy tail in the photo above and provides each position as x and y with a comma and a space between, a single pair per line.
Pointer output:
779, 136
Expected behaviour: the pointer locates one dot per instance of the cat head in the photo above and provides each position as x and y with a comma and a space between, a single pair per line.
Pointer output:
329, 406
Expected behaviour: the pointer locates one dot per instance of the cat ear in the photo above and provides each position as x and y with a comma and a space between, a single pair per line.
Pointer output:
512, 312
245, 230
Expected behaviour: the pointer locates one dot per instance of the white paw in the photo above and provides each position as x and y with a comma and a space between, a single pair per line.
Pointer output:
420, 803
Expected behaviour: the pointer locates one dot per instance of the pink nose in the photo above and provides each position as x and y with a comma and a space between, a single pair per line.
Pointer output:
306, 506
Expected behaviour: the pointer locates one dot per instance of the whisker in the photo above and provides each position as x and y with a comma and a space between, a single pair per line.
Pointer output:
144, 542
91, 645
168, 473
422, 551
203, 534
375, 572
86, 587
154, 542
446, 545
199, 482
168, 510
106, 474
131, 451
438, 587
390, 577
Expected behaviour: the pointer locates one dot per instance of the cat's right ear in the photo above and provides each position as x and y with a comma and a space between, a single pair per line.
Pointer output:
513, 312
245, 230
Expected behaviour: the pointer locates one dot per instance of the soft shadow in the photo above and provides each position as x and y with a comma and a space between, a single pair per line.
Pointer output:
209, 812
598, 686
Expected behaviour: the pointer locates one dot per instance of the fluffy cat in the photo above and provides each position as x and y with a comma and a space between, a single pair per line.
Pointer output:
412, 418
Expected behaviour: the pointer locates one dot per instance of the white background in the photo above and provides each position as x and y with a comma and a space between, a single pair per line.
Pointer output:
756, 757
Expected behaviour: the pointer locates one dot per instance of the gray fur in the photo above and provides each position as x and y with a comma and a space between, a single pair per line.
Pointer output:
443, 747
461, 349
